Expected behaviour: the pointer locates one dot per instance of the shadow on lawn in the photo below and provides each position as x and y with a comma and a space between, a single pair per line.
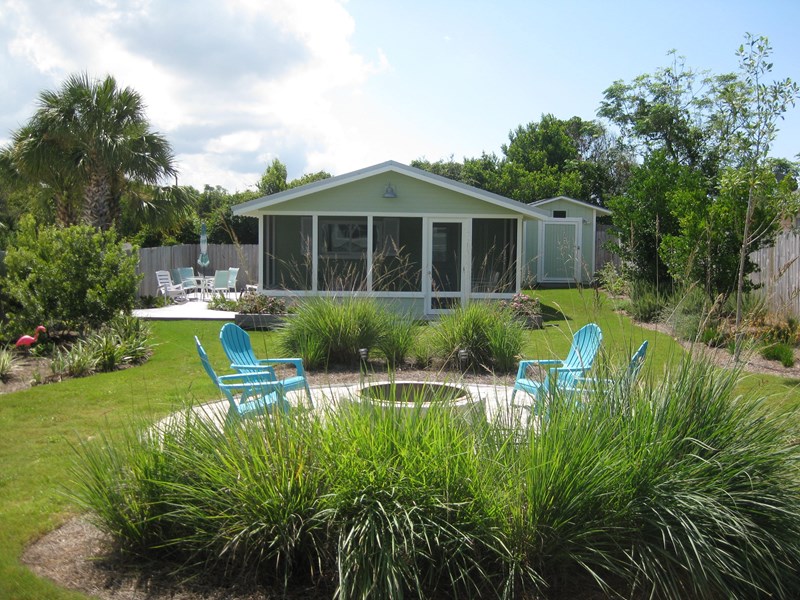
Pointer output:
553, 313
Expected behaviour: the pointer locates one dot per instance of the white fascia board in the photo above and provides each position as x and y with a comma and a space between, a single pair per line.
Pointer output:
254, 207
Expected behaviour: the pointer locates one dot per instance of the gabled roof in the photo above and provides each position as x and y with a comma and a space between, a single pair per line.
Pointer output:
600, 210
252, 207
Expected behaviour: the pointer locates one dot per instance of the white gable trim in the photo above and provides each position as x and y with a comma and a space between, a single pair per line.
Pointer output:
255, 207
598, 209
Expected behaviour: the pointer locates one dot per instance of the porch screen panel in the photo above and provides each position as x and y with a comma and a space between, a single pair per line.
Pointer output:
342, 264
494, 255
287, 252
397, 254
559, 251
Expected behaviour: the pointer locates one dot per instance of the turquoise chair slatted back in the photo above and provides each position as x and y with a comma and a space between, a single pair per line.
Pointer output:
585, 344
637, 360
211, 373
258, 392
236, 344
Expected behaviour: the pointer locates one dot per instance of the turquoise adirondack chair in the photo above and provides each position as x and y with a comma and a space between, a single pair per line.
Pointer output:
236, 343
589, 385
585, 345
255, 393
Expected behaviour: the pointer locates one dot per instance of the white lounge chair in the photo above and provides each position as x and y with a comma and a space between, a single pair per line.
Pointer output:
169, 289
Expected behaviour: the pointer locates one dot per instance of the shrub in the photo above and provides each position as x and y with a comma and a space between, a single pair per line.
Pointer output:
396, 337
123, 341
252, 303
613, 281
7, 361
780, 352
73, 279
715, 337
646, 303
524, 306
331, 331
488, 332
79, 360
219, 302
674, 491
782, 330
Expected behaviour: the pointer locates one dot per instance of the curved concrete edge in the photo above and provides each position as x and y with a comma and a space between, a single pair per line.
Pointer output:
496, 400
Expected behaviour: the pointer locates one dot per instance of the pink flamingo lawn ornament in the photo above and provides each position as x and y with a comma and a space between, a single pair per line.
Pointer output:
27, 340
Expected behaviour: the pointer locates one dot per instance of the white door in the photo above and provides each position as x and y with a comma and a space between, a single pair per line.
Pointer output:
446, 265
560, 251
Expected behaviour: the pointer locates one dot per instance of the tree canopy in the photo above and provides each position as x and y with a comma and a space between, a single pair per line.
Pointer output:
90, 144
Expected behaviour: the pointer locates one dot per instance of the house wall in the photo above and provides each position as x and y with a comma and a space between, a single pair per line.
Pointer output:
414, 197
588, 235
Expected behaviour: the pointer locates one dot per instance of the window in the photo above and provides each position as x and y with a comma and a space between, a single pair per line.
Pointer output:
287, 252
342, 254
396, 254
494, 255
559, 214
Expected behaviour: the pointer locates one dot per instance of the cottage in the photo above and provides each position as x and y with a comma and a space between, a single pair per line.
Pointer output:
425, 241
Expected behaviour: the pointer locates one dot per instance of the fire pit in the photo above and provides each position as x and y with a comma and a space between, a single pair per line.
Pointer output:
420, 396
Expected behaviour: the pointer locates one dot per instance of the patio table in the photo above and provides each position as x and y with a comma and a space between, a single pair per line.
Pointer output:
200, 283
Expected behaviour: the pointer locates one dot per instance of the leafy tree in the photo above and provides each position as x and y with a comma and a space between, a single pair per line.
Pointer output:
643, 217
309, 178
750, 110
90, 144
722, 195
68, 279
544, 159
274, 179
445, 168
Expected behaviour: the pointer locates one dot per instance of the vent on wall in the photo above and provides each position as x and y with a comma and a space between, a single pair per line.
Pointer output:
559, 214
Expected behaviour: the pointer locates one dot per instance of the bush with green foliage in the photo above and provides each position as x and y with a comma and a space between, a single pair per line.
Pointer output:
782, 330
673, 491
784, 353
7, 362
332, 331
125, 340
252, 303
70, 279
613, 281
487, 331
646, 303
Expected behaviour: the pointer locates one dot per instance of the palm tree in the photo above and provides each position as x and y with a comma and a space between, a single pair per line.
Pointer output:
91, 143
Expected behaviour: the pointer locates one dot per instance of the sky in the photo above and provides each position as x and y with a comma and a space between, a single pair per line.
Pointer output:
338, 85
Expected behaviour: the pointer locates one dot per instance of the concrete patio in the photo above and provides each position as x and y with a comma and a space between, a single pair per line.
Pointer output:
191, 309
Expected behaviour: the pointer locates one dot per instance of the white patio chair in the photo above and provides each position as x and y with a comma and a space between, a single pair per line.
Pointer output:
220, 283
169, 289
233, 272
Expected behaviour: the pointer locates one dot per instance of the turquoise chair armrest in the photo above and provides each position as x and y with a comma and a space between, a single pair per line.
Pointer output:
254, 369
297, 362
524, 364
247, 380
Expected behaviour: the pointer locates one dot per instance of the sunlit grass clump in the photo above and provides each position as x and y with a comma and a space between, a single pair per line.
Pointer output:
674, 491
332, 331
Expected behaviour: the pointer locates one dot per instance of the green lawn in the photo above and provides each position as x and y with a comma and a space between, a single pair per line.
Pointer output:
40, 425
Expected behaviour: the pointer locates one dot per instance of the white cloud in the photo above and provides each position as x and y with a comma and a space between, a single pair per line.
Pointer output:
228, 83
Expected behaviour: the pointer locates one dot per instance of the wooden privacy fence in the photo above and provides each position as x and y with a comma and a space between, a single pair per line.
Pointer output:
780, 273
601, 254
221, 256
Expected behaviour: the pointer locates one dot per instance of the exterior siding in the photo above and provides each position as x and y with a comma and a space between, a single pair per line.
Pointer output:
587, 233
414, 197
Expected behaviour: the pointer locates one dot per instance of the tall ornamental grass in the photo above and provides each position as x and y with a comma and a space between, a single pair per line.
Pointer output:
487, 332
674, 490
332, 331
